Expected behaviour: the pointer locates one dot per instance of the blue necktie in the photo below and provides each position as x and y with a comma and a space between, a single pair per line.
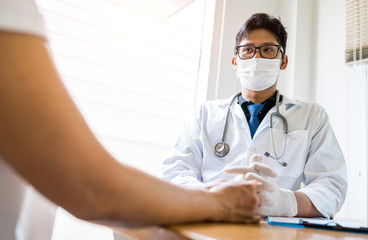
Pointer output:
254, 110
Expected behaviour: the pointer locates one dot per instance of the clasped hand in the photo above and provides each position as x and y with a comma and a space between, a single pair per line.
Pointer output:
276, 201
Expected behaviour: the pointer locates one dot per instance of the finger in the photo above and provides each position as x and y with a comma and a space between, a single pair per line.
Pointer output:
263, 169
256, 158
253, 176
211, 184
239, 170
265, 201
266, 211
258, 185
239, 177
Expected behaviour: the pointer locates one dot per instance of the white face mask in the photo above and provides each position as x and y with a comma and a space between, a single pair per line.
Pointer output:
258, 74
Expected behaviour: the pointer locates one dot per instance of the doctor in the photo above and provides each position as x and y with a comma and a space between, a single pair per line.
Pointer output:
301, 148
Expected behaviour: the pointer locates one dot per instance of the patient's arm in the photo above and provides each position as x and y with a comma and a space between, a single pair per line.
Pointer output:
45, 139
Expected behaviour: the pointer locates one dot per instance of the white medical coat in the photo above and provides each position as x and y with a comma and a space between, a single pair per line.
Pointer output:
315, 162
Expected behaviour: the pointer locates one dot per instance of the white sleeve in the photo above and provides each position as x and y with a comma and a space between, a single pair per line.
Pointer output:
325, 170
183, 167
21, 16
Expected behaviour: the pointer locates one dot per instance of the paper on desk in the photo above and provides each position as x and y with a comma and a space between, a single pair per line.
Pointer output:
318, 221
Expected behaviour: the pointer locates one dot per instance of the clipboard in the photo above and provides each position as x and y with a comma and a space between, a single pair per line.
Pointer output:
320, 223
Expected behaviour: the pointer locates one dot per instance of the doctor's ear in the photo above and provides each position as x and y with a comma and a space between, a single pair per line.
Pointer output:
284, 62
234, 63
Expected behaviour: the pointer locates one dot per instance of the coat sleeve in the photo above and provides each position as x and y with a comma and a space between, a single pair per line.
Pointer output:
183, 167
325, 170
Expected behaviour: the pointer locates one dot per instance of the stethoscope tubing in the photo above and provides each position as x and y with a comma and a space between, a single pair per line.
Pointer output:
227, 117
222, 148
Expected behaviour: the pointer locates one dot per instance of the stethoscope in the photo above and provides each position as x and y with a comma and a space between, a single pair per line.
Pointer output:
222, 148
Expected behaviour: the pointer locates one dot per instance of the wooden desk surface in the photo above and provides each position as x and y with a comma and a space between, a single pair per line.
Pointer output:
223, 231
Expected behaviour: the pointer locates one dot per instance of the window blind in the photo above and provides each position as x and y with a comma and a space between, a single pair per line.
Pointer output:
356, 30
131, 73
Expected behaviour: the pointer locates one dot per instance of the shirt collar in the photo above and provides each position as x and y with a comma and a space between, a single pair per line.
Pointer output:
241, 100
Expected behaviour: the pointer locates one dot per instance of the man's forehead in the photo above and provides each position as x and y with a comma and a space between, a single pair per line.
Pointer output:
259, 36
256, 44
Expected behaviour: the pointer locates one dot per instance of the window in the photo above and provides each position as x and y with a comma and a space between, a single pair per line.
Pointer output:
131, 67
131, 70
356, 17
356, 116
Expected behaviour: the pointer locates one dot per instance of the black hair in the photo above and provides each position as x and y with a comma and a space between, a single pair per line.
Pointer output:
265, 21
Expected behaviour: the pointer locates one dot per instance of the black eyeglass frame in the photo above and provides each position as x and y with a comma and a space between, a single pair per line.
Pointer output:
279, 48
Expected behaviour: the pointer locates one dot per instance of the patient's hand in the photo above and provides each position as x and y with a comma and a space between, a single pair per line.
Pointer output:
256, 171
277, 201
239, 200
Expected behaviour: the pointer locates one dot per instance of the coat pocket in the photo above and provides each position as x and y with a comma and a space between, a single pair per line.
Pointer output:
295, 150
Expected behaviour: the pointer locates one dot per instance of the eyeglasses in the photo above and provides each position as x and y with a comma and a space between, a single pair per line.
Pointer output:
266, 51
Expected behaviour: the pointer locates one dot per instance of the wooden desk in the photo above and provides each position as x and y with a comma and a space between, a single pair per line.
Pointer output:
210, 231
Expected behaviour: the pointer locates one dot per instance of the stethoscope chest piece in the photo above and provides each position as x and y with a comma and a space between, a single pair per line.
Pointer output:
221, 149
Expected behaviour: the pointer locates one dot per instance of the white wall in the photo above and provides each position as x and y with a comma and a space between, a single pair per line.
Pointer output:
342, 91
316, 72
235, 13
